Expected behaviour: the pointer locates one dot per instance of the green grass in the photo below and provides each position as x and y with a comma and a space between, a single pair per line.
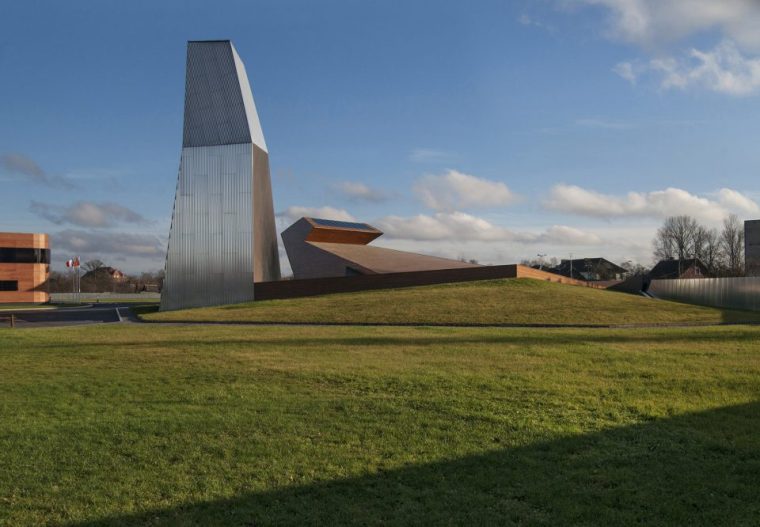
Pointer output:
23, 306
232, 425
522, 301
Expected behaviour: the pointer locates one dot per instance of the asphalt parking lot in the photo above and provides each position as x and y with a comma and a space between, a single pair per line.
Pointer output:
69, 316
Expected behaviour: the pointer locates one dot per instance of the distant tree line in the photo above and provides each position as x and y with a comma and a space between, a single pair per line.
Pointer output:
722, 252
97, 279
541, 263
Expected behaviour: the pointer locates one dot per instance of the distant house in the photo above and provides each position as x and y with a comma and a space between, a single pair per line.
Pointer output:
683, 268
102, 279
104, 272
590, 269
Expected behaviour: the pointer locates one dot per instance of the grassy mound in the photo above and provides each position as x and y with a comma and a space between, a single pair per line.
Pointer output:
521, 301
225, 425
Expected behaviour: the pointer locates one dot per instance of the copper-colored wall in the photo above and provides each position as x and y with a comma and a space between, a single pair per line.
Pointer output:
338, 235
523, 271
31, 278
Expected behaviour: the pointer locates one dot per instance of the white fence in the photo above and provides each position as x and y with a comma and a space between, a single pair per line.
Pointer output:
728, 293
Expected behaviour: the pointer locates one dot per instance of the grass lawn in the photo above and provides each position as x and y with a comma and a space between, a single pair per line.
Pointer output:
20, 306
521, 301
234, 425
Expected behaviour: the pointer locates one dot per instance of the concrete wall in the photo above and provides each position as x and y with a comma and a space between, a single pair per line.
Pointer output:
309, 262
727, 293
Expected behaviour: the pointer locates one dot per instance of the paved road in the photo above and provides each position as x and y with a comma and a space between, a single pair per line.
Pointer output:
70, 316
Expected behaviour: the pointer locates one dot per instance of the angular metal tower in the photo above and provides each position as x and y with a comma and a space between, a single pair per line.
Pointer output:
223, 235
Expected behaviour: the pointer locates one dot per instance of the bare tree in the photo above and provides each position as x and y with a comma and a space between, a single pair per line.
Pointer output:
732, 244
699, 242
91, 265
711, 253
675, 239
634, 268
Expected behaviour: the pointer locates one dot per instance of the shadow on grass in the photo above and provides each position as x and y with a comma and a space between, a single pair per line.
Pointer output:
432, 337
694, 469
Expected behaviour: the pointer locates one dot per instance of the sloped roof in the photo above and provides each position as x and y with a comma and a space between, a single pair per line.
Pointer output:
587, 265
382, 260
335, 231
674, 268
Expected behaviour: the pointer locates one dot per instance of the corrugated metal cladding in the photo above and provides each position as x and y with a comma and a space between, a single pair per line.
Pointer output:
727, 293
752, 247
223, 230
210, 258
214, 108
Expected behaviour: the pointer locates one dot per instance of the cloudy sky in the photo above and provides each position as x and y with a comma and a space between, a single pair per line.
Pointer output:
490, 130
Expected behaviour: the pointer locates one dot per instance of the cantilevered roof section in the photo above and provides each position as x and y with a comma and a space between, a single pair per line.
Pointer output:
335, 231
219, 107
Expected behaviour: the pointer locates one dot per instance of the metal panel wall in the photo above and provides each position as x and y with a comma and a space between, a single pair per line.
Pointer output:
210, 257
222, 235
215, 112
728, 293
752, 247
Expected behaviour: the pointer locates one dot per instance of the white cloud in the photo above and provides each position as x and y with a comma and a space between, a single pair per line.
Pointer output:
730, 67
463, 227
656, 204
618, 244
564, 235
87, 214
360, 191
626, 71
531, 21
724, 69
653, 23
735, 201
455, 191
293, 214
111, 243
443, 226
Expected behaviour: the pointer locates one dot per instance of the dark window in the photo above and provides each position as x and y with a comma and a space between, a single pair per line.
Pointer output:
8, 285
24, 255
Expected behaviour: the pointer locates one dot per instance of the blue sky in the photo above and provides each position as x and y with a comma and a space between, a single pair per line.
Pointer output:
487, 130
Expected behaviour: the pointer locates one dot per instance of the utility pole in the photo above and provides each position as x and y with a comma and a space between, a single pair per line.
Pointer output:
571, 265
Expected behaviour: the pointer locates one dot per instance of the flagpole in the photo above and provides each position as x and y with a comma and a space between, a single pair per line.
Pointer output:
79, 284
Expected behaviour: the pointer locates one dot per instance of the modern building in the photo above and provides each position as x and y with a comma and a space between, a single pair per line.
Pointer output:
752, 247
675, 268
319, 248
24, 267
222, 235
590, 269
